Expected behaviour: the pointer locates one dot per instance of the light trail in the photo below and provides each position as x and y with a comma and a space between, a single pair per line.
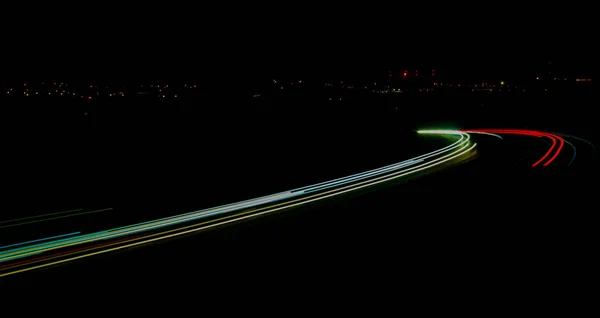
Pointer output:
218, 222
284, 200
484, 133
152, 225
39, 216
574, 152
555, 149
39, 240
54, 218
578, 138
121, 232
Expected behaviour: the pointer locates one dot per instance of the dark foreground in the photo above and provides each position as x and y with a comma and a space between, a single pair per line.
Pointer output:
492, 221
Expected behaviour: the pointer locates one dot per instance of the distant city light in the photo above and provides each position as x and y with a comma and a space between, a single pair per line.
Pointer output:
379, 86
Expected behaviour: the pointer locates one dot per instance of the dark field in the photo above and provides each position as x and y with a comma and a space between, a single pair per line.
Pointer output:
493, 214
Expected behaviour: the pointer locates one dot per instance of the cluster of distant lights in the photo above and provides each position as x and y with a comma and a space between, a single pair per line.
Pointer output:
387, 90
63, 92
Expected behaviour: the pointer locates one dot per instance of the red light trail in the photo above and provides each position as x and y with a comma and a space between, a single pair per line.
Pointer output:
553, 149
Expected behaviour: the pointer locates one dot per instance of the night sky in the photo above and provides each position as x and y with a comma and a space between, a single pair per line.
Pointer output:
310, 41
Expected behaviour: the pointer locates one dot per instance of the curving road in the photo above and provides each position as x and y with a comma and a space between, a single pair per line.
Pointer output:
36, 253
43, 252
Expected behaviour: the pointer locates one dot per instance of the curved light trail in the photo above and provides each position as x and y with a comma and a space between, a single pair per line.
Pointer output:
574, 152
60, 249
557, 141
578, 138
486, 133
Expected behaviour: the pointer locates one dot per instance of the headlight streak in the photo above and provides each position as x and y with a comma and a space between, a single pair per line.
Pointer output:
333, 184
465, 148
151, 225
484, 133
